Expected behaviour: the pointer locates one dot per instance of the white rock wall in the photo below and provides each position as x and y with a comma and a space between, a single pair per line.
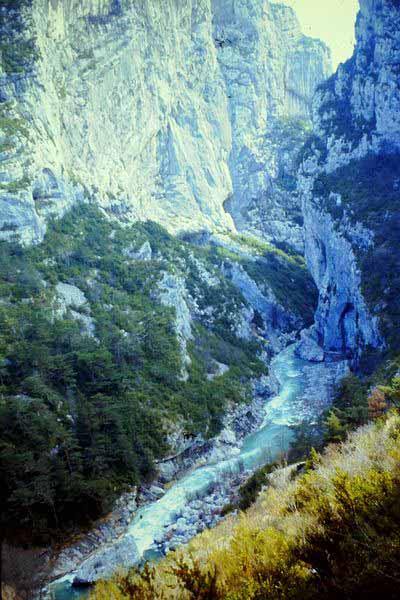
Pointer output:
131, 106
271, 72
136, 106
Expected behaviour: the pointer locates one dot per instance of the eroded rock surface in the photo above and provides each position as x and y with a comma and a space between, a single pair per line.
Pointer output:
348, 188
153, 110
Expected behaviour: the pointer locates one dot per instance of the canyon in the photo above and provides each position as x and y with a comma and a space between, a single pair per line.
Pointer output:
247, 205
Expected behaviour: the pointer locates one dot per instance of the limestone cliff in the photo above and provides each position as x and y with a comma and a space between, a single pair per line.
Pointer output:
124, 102
152, 110
351, 193
271, 72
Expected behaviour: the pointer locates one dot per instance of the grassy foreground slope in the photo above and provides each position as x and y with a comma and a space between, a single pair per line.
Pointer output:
331, 533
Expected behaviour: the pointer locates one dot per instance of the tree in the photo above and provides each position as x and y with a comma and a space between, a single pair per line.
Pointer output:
334, 430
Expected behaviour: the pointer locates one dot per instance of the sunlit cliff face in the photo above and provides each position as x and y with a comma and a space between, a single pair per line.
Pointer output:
154, 110
332, 21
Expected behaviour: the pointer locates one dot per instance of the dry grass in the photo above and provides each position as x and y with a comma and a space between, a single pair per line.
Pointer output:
334, 530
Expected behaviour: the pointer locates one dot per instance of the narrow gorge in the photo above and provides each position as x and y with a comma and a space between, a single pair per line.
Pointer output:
199, 283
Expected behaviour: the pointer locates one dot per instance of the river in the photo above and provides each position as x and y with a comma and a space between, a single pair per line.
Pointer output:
282, 412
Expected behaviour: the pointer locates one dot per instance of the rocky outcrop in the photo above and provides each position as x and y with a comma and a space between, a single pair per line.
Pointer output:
173, 293
358, 109
278, 322
151, 110
101, 535
308, 347
104, 563
144, 253
349, 215
71, 298
344, 323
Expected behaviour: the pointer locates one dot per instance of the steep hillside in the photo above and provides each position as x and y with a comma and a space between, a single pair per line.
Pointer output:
119, 345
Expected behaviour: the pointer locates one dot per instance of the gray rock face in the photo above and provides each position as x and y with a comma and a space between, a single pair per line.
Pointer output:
320, 383
358, 109
277, 320
343, 321
70, 297
154, 110
308, 347
128, 103
104, 563
144, 253
173, 293
356, 113
271, 72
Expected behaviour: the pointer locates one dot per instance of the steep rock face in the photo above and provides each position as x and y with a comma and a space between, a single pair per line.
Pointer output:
271, 72
173, 293
349, 187
343, 321
359, 108
127, 102
278, 322
142, 108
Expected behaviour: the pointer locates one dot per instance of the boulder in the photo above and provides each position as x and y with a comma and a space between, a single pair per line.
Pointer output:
157, 491
308, 348
102, 564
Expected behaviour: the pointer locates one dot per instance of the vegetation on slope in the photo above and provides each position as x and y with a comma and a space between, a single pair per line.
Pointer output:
283, 271
360, 399
18, 50
337, 115
84, 414
331, 533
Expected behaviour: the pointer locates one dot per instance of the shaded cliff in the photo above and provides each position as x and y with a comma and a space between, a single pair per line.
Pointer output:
350, 189
153, 110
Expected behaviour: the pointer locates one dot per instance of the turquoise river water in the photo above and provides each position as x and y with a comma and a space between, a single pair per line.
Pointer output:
282, 412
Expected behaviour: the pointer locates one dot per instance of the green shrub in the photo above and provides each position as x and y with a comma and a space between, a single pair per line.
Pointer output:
331, 533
